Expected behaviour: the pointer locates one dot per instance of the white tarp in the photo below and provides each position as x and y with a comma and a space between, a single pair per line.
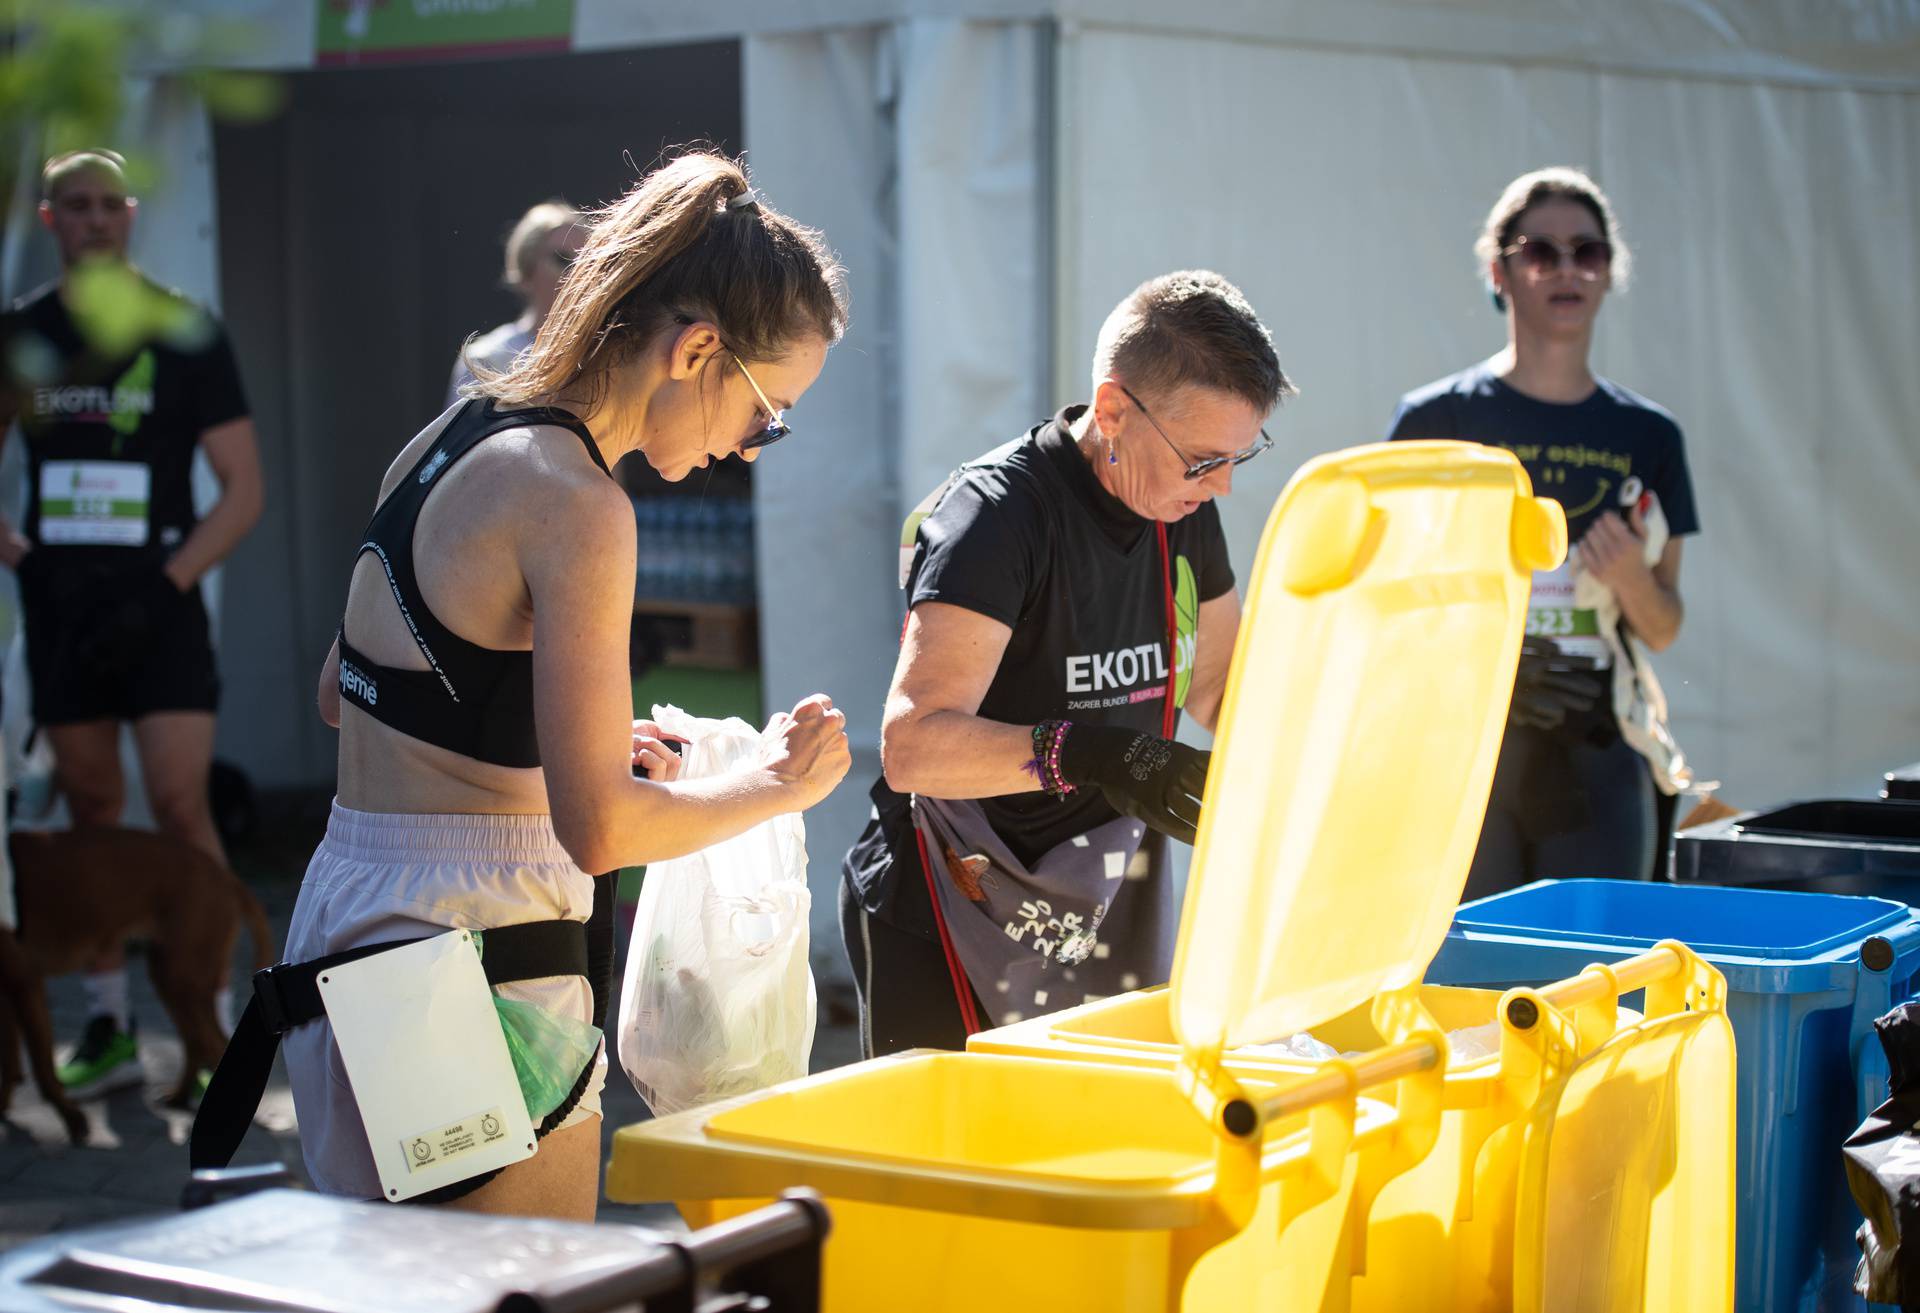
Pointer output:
1775, 309
1850, 43
931, 191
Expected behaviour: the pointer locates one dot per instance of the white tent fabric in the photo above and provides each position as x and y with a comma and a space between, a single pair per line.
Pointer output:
1848, 43
1775, 310
823, 500
932, 196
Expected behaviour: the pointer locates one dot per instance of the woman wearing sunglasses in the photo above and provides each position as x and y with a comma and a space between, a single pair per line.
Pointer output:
1586, 741
1069, 593
489, 760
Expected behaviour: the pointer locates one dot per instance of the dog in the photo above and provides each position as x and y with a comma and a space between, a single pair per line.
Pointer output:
84, 892
1705, 812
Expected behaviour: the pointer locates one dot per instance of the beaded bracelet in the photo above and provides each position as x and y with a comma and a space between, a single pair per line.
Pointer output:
1048, 735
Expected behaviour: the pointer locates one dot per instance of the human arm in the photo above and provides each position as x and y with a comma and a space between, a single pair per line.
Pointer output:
234, 453
1613, 552
1217, 630
328, 697
13, 543
602, 814
932, 741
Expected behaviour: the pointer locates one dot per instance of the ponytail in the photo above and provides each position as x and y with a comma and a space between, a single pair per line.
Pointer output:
673, 246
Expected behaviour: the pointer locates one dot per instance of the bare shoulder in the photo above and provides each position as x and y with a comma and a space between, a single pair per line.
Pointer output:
410, 455
542, 478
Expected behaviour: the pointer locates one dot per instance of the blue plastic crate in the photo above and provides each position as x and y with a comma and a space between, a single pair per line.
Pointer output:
1806, 976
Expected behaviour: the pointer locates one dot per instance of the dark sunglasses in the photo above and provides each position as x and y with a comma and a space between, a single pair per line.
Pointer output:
1591, 256
1198, 469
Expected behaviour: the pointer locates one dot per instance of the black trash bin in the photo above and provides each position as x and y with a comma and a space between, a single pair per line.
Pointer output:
1828, 846
289, 1251
1902, 785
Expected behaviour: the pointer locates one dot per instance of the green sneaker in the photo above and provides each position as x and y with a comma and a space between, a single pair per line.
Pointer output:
107, 1058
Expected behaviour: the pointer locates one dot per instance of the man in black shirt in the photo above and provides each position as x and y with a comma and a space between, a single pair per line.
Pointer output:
115, 382
1069, 593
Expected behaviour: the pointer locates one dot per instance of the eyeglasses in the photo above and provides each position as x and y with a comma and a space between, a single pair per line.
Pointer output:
1197, 469
777, 428
1591, 256
563, 259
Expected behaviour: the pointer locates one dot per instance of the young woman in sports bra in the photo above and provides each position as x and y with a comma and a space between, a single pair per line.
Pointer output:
489, 760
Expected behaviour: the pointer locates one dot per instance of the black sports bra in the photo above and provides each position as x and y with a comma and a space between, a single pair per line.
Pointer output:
476, 701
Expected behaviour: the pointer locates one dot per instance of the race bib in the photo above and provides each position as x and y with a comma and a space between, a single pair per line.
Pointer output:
1552, 614
95, 503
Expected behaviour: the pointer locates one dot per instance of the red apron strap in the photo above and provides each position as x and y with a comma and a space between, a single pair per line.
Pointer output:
962, 990
1169, 712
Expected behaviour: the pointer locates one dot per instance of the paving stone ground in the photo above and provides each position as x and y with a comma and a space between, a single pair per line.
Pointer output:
135, 1160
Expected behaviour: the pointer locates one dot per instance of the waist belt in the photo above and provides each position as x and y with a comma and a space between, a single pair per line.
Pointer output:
286, 995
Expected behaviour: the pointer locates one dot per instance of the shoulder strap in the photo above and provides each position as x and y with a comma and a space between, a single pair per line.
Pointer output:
389, 534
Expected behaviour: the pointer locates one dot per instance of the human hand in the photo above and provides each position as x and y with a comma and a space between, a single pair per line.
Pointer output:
15, 547
651, 753
1144, 776
1542, 696
806, 749
1613, 550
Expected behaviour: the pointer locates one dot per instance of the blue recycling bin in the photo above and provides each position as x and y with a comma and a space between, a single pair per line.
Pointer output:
1806, 976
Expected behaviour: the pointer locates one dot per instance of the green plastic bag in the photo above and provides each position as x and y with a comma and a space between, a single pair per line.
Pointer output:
549, 1051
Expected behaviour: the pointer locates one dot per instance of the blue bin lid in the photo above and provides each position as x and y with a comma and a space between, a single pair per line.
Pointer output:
1629, 916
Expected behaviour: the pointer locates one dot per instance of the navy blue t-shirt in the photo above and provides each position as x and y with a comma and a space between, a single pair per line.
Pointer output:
1582, 455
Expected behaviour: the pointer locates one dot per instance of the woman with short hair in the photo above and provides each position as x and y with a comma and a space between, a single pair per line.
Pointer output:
1069, 594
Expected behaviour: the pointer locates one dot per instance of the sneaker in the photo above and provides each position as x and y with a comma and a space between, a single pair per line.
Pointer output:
106, 1058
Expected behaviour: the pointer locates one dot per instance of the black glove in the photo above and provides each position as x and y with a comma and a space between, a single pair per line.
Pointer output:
1545, 690
1142, 775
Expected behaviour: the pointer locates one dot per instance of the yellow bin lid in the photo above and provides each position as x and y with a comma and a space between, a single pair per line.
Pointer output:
1362, 719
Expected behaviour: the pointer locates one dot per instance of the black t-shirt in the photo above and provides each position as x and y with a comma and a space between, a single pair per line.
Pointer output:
110, 437
1027, 536
1581, 455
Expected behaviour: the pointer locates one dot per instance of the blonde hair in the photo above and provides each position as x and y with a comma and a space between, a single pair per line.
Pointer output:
524, 243
1559, 183
68, 163
673, 247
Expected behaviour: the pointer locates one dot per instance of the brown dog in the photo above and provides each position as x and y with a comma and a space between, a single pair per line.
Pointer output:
83, 892
1706, 811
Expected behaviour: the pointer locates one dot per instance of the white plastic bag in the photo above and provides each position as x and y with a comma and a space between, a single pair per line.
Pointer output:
719, 997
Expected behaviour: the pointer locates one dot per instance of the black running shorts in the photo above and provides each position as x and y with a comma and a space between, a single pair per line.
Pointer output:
113, 642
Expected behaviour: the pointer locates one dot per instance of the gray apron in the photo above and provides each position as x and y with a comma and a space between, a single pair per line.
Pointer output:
1093, 917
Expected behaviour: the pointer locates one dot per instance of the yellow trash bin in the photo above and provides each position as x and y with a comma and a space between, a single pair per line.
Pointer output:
1362, 717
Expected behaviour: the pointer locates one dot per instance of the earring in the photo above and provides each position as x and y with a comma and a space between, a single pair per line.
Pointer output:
1113, 457
1499, 301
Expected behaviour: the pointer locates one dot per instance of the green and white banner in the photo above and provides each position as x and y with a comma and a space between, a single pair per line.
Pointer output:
393, 31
